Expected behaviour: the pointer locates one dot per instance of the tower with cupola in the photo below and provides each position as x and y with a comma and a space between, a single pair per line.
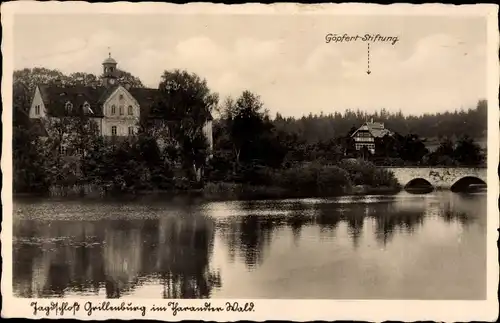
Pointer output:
109, 71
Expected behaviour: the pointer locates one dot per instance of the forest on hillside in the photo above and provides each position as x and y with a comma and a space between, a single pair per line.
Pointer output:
451, 125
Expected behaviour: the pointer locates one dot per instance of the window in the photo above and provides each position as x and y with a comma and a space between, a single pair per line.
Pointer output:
68, 106
37, 110
130, 131
130, 110
121, 110
64, 151
113, 109
86, 107
121, 96
113, 130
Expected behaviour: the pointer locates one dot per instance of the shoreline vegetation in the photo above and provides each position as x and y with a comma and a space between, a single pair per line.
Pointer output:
248, 154
305, 181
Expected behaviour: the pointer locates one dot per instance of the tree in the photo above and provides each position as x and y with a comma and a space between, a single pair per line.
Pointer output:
387, 146
67, 145
443, 155
411, 148
468, 153
245, 121
184, 106
446, 148
313, 128
124, 77
31, 77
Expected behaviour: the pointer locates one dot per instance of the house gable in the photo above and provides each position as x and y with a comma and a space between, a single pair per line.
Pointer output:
376, 129
118, 103
37, 108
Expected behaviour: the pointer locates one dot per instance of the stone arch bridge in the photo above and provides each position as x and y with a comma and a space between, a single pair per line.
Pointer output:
440, 177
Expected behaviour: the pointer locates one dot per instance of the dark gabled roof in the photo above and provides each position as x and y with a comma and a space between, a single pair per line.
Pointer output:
376, 129
56, 97
147, 98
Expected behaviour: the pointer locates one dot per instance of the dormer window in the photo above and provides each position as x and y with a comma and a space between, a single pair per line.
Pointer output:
113, 109
68, 106
86, 108
37, 110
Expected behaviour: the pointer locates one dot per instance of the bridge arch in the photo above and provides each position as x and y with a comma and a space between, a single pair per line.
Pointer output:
419, 185
465, 183
439, 177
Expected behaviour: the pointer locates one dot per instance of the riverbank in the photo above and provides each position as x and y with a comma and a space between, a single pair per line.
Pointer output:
350, 177
214, 192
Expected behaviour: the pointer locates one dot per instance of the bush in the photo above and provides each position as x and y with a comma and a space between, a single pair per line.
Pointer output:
366, 173
313, 178
333, 179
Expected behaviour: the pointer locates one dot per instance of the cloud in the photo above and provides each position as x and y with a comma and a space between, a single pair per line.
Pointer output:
293, 72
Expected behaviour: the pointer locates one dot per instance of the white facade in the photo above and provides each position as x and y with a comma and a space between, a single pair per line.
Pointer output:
121, 114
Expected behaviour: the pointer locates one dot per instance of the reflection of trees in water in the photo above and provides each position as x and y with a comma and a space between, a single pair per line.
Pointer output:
50, 258
387, 215
464, 209
185, 247
450, 214
251, 235
296, 219
122, 256
389, 218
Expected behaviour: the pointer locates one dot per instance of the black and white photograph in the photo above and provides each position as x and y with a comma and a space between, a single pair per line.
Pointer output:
246, 155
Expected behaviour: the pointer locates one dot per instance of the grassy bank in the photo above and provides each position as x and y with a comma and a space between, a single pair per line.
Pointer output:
349, 177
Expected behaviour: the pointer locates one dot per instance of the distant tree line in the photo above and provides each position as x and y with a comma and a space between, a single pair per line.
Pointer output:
311, 155
452, 125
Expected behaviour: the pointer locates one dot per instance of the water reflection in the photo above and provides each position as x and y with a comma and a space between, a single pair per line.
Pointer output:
85, 257
113, 250
251, 233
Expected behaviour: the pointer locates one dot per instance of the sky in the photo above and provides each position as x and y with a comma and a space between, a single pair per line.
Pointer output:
438, 64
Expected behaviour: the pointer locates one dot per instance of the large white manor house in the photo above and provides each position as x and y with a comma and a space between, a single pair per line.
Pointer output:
115, 108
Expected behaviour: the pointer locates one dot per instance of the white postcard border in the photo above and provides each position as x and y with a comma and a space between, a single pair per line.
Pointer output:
296, 310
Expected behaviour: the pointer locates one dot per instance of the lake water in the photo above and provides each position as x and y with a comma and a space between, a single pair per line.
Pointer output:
405, 246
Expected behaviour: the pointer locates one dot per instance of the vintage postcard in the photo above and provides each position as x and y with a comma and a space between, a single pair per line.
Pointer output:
250, 162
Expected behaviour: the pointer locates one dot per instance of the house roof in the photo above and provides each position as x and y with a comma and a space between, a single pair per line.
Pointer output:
146, 98
376, 129
55, 99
